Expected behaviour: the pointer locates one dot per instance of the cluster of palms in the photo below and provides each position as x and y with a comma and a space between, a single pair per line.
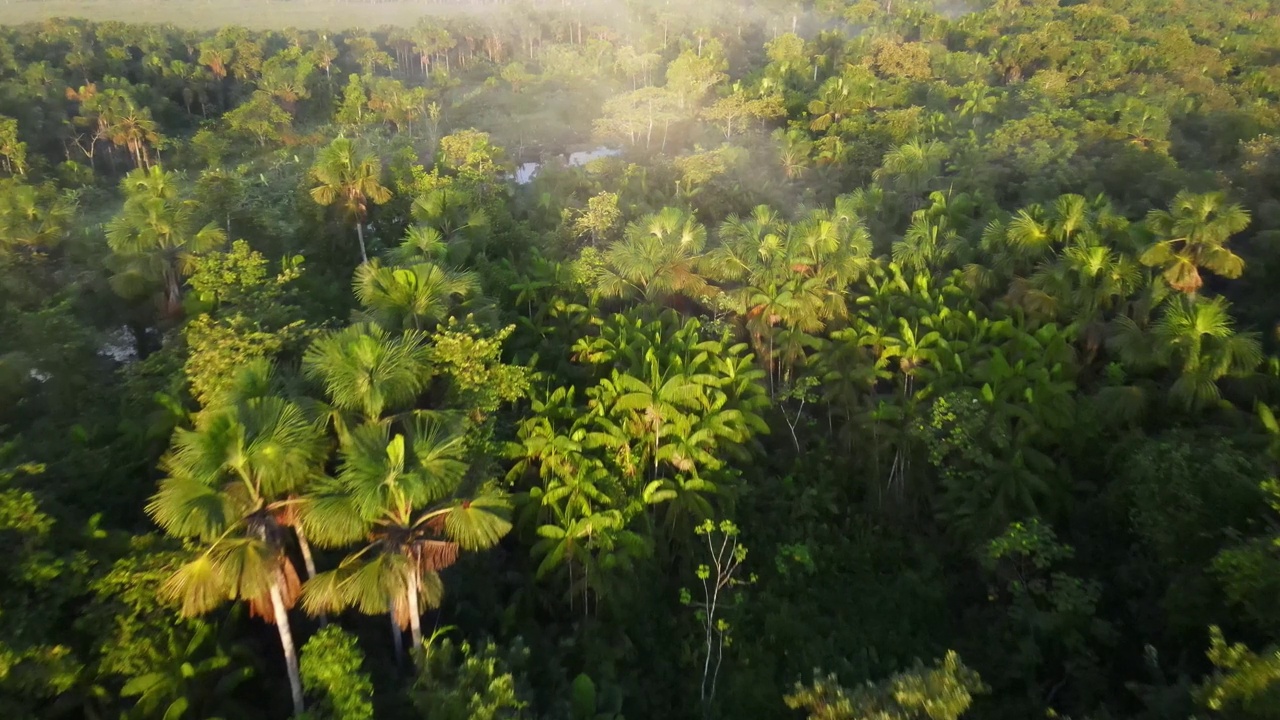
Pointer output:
112, 115
782, 280
155, 236
262, 474
1015, 309
669, 405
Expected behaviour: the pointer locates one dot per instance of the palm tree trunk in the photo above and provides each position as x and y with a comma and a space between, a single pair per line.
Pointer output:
286, 643
415, 620
172, 291
305, 548
397, 638
364, 256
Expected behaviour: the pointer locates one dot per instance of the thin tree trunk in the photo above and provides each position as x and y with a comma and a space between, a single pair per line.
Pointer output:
172, 292
286, 643
364, 256
415, 620
397, 638
305, 548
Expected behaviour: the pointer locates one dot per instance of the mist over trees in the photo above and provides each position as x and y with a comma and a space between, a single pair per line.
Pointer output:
852, 360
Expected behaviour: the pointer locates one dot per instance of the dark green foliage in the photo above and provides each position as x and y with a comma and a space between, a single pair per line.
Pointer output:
334, 678
942, 692
961, 314
457, 682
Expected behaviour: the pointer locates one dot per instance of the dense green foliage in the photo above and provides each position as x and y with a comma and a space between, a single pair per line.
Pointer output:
869, 336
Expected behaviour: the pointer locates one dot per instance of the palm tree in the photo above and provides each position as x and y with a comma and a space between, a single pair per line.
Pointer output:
978, 102
912, 167
795, 276
747, 245
134, 128
411, 298
154, 238
654, 405
835, 100
453, 214
667, 379
1193, 234
401, 493
350, 179
32, 220
228, 483
659, 257
366, 369
795, 152
1081, 285
1197, 337
927, 243
420, 244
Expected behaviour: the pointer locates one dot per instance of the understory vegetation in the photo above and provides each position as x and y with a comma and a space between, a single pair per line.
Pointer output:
842, 359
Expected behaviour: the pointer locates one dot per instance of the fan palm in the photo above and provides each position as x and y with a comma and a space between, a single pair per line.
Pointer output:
794, 276
926, 244
366, 369
1193, 234
416, 297
453, 214
228, 485
32, 219
912, 167
835, 100
747, 245
420, 244
401, 492
1081, 285
351, 180
154, 238
659, 257
1197, 337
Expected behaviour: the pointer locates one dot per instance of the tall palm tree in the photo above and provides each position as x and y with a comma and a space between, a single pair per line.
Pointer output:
366, 369
32, 220
403, 494
835, 100
454, 215
134, 129
420, 244
154, 238
1082, 285
977, 102
794, 276
350, 179
659, 257
927, 243
1197, 337
748, 248
912, 167
1193, 234
228, 483
411, 298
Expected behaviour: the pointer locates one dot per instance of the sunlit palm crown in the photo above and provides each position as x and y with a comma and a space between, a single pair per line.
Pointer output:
366, 369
